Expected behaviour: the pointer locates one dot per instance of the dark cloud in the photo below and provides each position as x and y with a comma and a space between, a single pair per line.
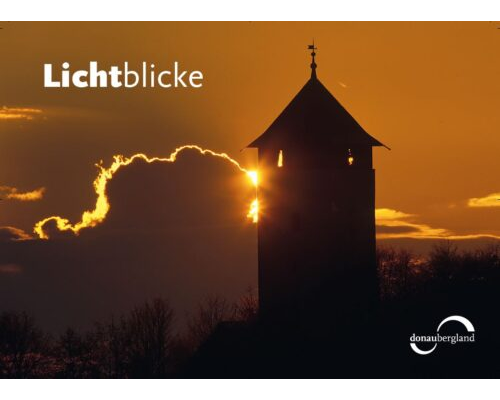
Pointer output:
423, 246
10, 269
396, 229
174, 230
10, 233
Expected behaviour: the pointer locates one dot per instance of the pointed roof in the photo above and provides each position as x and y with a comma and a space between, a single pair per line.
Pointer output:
314, 116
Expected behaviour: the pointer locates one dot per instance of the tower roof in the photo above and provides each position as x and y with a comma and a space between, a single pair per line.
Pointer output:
315, 117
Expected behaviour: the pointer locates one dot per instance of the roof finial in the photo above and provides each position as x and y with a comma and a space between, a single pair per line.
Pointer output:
313, 64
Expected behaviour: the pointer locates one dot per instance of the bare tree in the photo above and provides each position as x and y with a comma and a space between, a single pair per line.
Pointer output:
144, 338
397, 270
22, 347
247, 308
208, 315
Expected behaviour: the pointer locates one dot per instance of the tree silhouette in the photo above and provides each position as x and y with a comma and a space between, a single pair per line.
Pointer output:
143, 343
22, 345
210, 313
142, 340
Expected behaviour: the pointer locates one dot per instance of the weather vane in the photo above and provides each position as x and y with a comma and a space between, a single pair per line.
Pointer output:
313, 64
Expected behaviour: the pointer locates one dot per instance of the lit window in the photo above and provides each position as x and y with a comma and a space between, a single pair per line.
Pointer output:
280, 159
350, 158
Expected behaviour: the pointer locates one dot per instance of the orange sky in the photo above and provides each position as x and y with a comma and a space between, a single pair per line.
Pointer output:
430, 91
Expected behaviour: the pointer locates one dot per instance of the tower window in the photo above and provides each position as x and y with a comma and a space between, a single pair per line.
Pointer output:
350, 158
280, 159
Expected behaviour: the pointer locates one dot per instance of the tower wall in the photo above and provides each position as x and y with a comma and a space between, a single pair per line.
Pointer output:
316, 237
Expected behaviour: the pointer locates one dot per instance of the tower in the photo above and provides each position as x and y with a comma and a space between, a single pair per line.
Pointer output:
316, 229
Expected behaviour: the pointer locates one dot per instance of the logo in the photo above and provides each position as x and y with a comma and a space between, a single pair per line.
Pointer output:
117, 77
437, 338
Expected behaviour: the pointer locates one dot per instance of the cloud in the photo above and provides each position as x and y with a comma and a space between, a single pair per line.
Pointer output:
175, 230
10, 269
396, 224
15, 113
92, 218
10, 233
12, 193
393, 224
491, 200
388, 214
384, 229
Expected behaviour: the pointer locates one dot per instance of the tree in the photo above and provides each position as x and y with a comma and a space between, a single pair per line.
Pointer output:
213, 310
143, 339
247, 308
22, 347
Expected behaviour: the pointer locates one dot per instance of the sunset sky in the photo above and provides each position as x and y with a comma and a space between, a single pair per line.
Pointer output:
429, 91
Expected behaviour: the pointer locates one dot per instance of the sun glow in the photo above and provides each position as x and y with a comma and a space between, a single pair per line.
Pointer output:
94, 217
253, 213
254, 177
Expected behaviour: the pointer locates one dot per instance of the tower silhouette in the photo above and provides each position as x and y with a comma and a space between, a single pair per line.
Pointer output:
316, 229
